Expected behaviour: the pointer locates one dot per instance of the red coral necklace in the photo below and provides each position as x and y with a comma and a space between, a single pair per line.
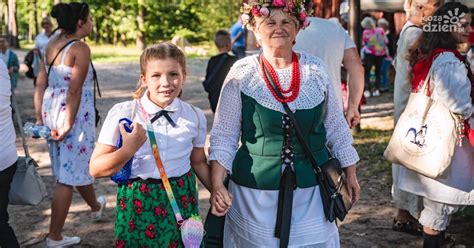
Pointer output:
294, 88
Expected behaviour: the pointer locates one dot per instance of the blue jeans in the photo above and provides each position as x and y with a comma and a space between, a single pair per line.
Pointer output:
384, 84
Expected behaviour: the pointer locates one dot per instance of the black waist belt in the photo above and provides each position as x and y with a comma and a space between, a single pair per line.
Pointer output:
152, 180
285, 206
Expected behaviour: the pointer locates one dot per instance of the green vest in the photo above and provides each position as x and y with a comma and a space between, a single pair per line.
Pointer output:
257, 163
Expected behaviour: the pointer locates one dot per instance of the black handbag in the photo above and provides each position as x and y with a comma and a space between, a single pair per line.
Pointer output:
330, 176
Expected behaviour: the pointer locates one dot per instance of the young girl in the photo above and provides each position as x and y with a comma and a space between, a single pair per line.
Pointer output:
145, 217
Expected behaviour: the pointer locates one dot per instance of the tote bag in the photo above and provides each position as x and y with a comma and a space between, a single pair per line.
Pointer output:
425, 136
27, 187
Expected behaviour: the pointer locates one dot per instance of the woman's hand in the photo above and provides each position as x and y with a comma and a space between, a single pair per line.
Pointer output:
134, 140
60, 133
221, 200
39, 122
351, 183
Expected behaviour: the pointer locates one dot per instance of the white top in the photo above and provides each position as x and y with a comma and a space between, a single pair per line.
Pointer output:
402, 84
328, 41
174, 143
251, 220
5, 56
41, 41
450, 85
7, 131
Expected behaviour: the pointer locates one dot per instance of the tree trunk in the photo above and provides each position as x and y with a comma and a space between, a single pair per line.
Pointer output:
326, 8
355, 29
12, 24
35, 20
123, 39
32, 29
96, 33
140, 40
4, 19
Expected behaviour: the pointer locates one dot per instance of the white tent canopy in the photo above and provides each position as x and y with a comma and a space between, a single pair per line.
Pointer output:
396, 5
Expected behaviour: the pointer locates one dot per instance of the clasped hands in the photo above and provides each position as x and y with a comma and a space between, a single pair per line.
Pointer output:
221, 200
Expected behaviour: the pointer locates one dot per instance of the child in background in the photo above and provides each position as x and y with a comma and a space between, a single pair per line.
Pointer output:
145, 217
218, 67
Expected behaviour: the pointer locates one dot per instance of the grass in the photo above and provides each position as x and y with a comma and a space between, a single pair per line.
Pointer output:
370, 144
111, 54
115, 54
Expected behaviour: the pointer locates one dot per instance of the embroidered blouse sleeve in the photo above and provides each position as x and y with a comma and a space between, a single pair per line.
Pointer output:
339, 138
451, 84
225, 131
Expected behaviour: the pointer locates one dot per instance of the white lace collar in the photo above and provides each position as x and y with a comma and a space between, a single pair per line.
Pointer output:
314, 81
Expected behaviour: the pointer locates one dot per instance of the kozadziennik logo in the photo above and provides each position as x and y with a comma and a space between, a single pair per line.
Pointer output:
452, 22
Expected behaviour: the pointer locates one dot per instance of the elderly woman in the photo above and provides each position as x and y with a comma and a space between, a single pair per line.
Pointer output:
250, 111
450, 83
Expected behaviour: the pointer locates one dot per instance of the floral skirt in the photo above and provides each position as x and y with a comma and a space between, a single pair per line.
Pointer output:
144, 215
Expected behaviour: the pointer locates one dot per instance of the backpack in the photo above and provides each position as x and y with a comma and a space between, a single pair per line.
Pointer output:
29, 58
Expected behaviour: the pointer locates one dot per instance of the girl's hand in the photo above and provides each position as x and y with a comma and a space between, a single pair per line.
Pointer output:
221, 200
134, 140
60, 133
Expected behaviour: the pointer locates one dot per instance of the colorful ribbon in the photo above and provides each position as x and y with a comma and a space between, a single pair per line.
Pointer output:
161, 169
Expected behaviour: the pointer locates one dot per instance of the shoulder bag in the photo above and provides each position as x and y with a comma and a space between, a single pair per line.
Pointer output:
27, 187
426, 135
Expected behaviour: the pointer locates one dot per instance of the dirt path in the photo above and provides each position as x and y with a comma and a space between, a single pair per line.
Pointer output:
368, 225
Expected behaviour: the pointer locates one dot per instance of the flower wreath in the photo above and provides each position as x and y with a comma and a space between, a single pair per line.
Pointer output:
262, 8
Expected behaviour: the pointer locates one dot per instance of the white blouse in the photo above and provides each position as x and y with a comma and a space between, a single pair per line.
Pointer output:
315, 87
175, 144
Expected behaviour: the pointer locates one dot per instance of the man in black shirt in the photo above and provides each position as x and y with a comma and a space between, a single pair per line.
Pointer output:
218, 67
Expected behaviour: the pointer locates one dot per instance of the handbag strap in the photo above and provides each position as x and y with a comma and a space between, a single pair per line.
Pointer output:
96, 83
425, 88
20, 125
161, 169
299, 133
57, 54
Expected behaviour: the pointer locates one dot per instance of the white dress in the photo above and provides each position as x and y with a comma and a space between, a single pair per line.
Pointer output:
451, 86
251, 219
69, 157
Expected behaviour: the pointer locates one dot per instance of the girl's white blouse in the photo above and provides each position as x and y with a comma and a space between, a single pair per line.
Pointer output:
175, 144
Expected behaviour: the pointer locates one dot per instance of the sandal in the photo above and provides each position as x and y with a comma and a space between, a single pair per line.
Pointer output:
409, 227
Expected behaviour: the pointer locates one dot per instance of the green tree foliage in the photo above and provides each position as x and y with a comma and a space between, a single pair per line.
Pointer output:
116, 21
